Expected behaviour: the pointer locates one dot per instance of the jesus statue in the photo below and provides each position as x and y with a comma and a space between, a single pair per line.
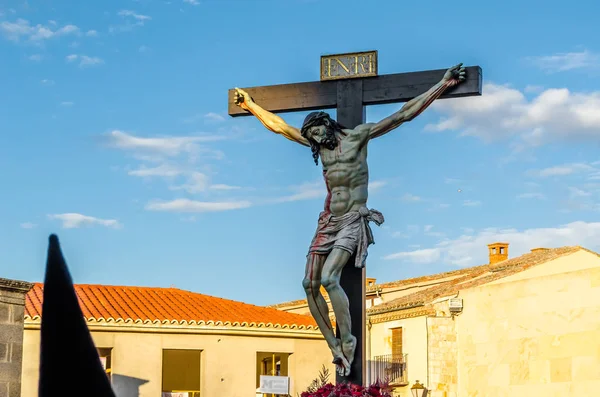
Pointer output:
343, 228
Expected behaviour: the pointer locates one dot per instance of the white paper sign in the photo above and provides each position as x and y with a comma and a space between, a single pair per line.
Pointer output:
175, 394
274, 384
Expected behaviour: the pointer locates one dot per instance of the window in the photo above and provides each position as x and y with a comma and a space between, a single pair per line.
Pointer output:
271, 364
181, 372
397, 342
106, 360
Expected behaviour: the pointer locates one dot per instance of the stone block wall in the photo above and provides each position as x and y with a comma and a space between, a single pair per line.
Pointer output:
12, 308
442, 353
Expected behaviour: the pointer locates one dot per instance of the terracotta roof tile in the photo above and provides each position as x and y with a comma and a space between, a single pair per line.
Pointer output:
475, 276
105, 303
423, 279
439, 277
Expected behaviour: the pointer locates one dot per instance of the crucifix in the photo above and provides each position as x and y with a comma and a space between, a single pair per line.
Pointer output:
337, 254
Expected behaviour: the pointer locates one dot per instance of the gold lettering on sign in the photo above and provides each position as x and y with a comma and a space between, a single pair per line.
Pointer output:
349, 66
340, 63
326, 67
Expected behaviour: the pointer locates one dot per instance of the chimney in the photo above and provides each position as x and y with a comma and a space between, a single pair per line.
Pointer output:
498, 252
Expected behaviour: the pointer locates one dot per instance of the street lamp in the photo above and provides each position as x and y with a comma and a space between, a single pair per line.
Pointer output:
418, 390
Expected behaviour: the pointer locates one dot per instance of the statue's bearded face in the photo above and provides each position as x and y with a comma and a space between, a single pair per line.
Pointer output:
320, 131
323, 135
317, 133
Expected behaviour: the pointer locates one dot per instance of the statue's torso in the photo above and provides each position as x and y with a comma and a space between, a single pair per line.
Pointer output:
346, 172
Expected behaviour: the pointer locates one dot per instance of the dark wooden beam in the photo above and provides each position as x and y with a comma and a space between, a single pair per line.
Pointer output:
350, 113
350, 109
391, 88
289, 97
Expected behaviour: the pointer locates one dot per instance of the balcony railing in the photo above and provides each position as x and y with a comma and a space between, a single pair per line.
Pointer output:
387, 368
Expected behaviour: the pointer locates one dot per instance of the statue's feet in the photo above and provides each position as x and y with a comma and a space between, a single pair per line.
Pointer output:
348, 348
342, 366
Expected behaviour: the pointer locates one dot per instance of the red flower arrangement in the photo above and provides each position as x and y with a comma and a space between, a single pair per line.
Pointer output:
320, 387
348, 390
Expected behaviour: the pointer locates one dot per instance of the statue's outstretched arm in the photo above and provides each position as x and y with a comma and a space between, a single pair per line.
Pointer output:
271, 121
417, 105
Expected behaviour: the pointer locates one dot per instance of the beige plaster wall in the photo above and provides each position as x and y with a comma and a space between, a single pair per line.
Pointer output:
536, 333
442, 353
228, 362
414, 344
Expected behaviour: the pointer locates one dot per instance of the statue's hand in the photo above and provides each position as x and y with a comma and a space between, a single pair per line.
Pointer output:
456, 74
241, 98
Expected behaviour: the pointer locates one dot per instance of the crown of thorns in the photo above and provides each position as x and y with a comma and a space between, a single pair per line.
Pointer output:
313, 119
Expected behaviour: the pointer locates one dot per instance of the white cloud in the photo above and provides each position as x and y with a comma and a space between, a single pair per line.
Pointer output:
138, 17
164, 146
534, 195
197, 182
220, 186
209, 117
172, 158
35, 57
411, 198
185, 205
397, 234
452, 181
47, 82
580, 197
376, 185
91, 33
534, 88
564, 170
562, 62
503, 112
439, 206
67, 103
421, 256
192, 2
84, 60
471, 203
412, 230
21, 29
577, 192
74, 220
132, 20
163, 170
305, 191
28, 225
143, 48
214, 117
470, 249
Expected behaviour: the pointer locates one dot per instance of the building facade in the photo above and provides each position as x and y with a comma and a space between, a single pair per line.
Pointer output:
524, 326
12, 306
162, 341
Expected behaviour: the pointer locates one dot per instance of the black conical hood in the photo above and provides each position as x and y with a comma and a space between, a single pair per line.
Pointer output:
69, 362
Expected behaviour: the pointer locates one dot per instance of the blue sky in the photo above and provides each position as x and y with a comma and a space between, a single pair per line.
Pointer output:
115, 135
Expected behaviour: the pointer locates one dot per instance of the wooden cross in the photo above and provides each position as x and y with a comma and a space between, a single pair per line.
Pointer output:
349, 94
